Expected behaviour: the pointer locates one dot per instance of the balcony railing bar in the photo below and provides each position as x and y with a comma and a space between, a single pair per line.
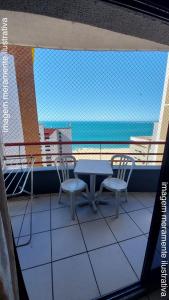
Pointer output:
52, 161
80, 153
19, 144
86, 143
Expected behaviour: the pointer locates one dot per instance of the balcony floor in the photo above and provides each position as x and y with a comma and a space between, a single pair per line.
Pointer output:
82, 259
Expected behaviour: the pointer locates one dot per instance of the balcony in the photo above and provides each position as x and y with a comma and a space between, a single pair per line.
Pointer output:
92, 256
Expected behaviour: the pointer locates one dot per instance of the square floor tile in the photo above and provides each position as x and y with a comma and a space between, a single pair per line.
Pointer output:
142, 218
147, 199
108, 209
40, 222
135, 249
86, 213
97, 234
123, 227
111, 269
61, 217
73, 279
16, 225
37, 252
40, 203
151, 209
66, 242
17, 207
132, 203
38, 282
55, 202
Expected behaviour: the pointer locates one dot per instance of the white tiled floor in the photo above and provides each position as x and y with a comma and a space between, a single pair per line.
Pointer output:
123, 227
40, 222
135, 249
73, 279
61, 217
40, 203
17, 207
37, 252
143, 223
111, 268
147, 199
85, 214
16, 224
82, 259
97, 234
132, 204
39, 281
66, 242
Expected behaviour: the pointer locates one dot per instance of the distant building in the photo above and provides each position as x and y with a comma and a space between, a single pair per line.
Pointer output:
163, 123
54, 135
141, 151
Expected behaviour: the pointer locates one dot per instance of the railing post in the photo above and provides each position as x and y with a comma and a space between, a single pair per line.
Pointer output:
20, 155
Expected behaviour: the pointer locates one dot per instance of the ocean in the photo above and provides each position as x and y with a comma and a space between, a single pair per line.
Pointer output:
103, 131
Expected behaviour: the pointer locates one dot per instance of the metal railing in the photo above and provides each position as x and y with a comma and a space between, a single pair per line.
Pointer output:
98, 153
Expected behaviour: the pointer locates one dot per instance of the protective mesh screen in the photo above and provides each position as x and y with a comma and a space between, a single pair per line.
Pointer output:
92, 98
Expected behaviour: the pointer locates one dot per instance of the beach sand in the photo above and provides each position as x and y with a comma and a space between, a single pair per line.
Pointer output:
87, 153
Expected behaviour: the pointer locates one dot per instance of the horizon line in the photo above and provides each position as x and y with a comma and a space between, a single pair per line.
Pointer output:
69, 121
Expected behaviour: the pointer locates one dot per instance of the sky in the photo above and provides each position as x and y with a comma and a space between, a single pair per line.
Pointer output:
99, 85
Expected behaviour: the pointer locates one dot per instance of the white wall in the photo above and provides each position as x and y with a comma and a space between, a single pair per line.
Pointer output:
66, 137
54, 137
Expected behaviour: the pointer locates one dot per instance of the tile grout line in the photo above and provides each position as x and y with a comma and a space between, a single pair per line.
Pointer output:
88, 254
135, 211
127, 260
87, 251
135, 197
80, 226
99, 218
137, 224
89, 221
83, 238
102, 216
48, 230
127, 239
55, 260
105, 218
121, 248
55, 208
22, 223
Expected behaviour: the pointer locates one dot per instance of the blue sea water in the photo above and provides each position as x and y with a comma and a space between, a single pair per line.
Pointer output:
103, 131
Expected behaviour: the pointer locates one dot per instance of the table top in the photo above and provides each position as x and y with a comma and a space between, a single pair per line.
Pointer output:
91, 166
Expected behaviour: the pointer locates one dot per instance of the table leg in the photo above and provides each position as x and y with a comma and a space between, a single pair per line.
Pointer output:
92, 191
